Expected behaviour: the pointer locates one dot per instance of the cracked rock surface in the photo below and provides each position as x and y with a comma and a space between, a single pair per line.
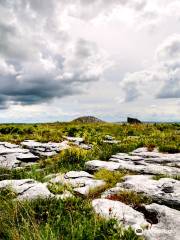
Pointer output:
27, 188
164, 190
141, 161
167, 226
120, 211
81, 182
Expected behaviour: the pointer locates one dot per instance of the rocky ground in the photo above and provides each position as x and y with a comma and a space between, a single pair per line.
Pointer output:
155, 175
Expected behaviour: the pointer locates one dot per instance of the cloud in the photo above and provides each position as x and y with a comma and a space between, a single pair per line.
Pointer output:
161, 80
39, 60
89, 9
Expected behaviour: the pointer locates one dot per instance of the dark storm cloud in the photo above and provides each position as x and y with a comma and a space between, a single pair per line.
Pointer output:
38, 61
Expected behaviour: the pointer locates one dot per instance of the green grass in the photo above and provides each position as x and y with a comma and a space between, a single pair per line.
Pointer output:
75, 219
52, 219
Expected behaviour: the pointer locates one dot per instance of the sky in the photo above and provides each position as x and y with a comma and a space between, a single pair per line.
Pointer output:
61, 59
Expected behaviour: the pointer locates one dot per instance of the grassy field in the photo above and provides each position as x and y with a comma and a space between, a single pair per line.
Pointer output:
73, 219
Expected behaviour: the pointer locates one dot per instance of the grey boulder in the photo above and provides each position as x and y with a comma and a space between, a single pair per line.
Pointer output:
27, 189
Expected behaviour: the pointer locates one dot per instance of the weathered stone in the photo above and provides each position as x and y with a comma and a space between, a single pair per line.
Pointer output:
80, 181
165, 227
77, 174
5, 150
45, 149
9, 162
89, 184
8, 145
46, 154
168, 226
85, 146
74, 139
28, 157
123, 213
164, 190
125, 157
97, 164
111, 141
109, 138
27, 188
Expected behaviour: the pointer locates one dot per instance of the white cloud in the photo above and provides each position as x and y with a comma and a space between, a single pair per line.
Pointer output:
60, 53
160, 81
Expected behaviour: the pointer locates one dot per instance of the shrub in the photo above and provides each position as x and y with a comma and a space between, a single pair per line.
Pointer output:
170, 148
111, 177
130, 198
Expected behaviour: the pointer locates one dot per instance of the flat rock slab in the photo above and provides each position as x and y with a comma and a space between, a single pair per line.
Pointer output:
27, 189
74, 139
77, 174
111, 141
164, 190
8, 145
167, 226
27, 157
144, 162
81, 182
95, 165
16, 160
143, 152
45, 149
9, 162
123, 213
6, 150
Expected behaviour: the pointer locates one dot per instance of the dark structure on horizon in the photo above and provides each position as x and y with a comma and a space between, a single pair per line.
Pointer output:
133, 120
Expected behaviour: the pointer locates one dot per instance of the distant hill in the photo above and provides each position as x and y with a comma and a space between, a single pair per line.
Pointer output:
87, 119
133, 120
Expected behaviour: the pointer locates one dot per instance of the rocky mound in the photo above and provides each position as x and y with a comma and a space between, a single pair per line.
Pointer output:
87, 119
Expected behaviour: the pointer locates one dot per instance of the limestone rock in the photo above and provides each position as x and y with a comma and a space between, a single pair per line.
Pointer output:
123, 213
77, 174
97, 164
168, 226
111, 141
81, 182
9, 162
27, 189
164, 190
165, 227
27, 157
45, 149
74, 139
6, 150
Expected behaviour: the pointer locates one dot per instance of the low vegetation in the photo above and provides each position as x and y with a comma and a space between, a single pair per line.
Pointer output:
111, 177
157, 177
131, 198
56, 219
52, 219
